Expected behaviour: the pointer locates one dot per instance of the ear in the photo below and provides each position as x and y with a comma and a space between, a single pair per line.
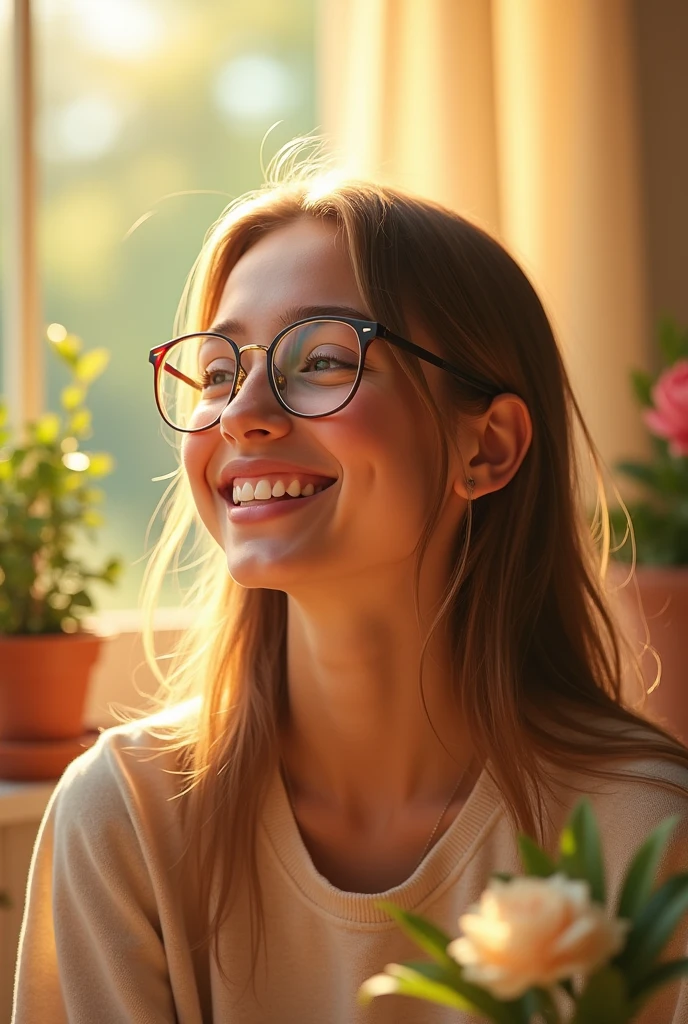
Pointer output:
493, 446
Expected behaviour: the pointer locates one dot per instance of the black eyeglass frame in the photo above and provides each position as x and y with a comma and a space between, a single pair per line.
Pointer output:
366, 330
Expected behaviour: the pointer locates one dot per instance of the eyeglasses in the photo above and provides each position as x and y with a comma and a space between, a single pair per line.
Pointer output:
314, 368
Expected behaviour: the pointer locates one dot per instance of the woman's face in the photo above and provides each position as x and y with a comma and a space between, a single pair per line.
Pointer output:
372, 466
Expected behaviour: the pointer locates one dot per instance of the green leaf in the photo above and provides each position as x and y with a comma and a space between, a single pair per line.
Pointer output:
642, 472
410, 983
653, 927
72, 482
432, 983
72, 397
47, 428
639, 879
673, 342
581, 850
539, 1001
45, 475
658, 978
642, 386
604, 999
91, 365
535, 861
80, 423
476, 998
112, 571
81, 599
431, 939
100, 464
68, 349
17, 457
661, 534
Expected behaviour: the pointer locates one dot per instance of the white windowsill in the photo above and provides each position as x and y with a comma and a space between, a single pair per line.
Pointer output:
22, 802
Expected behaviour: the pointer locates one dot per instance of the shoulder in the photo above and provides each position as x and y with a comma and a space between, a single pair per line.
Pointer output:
131, 773
627, 793
631, 791
642, 793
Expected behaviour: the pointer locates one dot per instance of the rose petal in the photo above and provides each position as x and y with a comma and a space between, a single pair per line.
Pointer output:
486, 931
578, 933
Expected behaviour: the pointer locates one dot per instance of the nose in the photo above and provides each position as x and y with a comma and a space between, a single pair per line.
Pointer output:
253, 410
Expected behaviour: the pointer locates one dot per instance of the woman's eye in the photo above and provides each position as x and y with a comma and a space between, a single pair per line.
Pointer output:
215, 378
319, 363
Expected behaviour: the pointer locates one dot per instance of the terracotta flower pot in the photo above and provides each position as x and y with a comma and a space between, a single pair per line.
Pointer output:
664, 595
44, 683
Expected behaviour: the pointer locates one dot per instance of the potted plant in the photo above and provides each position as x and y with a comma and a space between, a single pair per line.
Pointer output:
48, 501
660, 527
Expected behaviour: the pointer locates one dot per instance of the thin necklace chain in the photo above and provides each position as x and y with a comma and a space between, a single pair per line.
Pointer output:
437, 823
441, 817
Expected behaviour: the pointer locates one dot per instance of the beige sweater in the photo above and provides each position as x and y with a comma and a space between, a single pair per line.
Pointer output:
105, 938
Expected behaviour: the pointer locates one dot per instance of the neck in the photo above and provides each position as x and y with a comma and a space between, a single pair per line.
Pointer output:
357, 737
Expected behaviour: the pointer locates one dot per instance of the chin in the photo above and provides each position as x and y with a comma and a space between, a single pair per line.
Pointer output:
256, 570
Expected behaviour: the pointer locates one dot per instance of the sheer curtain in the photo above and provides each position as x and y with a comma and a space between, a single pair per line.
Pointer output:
521, 115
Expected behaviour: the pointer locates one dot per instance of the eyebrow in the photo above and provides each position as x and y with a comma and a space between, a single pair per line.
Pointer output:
232, 327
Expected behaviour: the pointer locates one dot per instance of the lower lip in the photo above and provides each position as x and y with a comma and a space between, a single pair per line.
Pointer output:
271, 510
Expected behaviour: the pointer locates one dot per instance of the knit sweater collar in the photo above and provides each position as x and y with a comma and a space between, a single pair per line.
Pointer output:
441, 865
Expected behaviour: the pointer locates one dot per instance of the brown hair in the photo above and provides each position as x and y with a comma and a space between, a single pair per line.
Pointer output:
546, 689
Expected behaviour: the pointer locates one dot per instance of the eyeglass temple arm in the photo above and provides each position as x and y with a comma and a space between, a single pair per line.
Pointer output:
181, 376
430, 357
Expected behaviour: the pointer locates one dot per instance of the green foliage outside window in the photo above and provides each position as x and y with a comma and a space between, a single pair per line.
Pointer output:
48, 498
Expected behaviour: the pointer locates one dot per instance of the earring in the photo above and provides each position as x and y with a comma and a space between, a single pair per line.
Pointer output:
470, 483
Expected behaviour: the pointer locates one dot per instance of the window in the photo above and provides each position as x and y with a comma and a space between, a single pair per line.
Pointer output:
149, 119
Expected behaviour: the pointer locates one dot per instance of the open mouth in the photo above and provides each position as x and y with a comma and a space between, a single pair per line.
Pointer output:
267, 490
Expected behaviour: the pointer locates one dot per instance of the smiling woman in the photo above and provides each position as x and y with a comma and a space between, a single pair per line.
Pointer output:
377, 447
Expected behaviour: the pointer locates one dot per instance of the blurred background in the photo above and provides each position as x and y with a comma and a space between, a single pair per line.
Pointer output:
560, 125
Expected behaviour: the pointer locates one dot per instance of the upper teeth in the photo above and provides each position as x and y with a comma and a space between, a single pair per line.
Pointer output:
263, 489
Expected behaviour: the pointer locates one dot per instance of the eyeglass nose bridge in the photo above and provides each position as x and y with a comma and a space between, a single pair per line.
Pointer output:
241, 372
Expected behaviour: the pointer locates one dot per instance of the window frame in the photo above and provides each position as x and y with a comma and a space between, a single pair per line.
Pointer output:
23, 363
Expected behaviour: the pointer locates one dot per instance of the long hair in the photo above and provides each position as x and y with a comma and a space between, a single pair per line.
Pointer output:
538, 663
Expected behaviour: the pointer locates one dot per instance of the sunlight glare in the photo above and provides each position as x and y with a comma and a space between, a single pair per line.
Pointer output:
118, 28
56, 332
84, 129
78, 461
253, 86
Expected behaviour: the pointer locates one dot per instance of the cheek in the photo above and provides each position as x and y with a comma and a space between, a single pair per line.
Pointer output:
389, 454
197, 452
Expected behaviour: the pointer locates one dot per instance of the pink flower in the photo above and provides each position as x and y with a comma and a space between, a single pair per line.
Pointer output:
534, 931
669, 418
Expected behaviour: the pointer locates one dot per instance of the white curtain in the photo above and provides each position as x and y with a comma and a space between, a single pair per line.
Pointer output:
519, 114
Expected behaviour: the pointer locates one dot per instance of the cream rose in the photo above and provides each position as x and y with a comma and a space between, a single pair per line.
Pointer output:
534, 931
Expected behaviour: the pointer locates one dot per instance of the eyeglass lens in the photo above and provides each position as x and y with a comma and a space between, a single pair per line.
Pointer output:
315, 366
